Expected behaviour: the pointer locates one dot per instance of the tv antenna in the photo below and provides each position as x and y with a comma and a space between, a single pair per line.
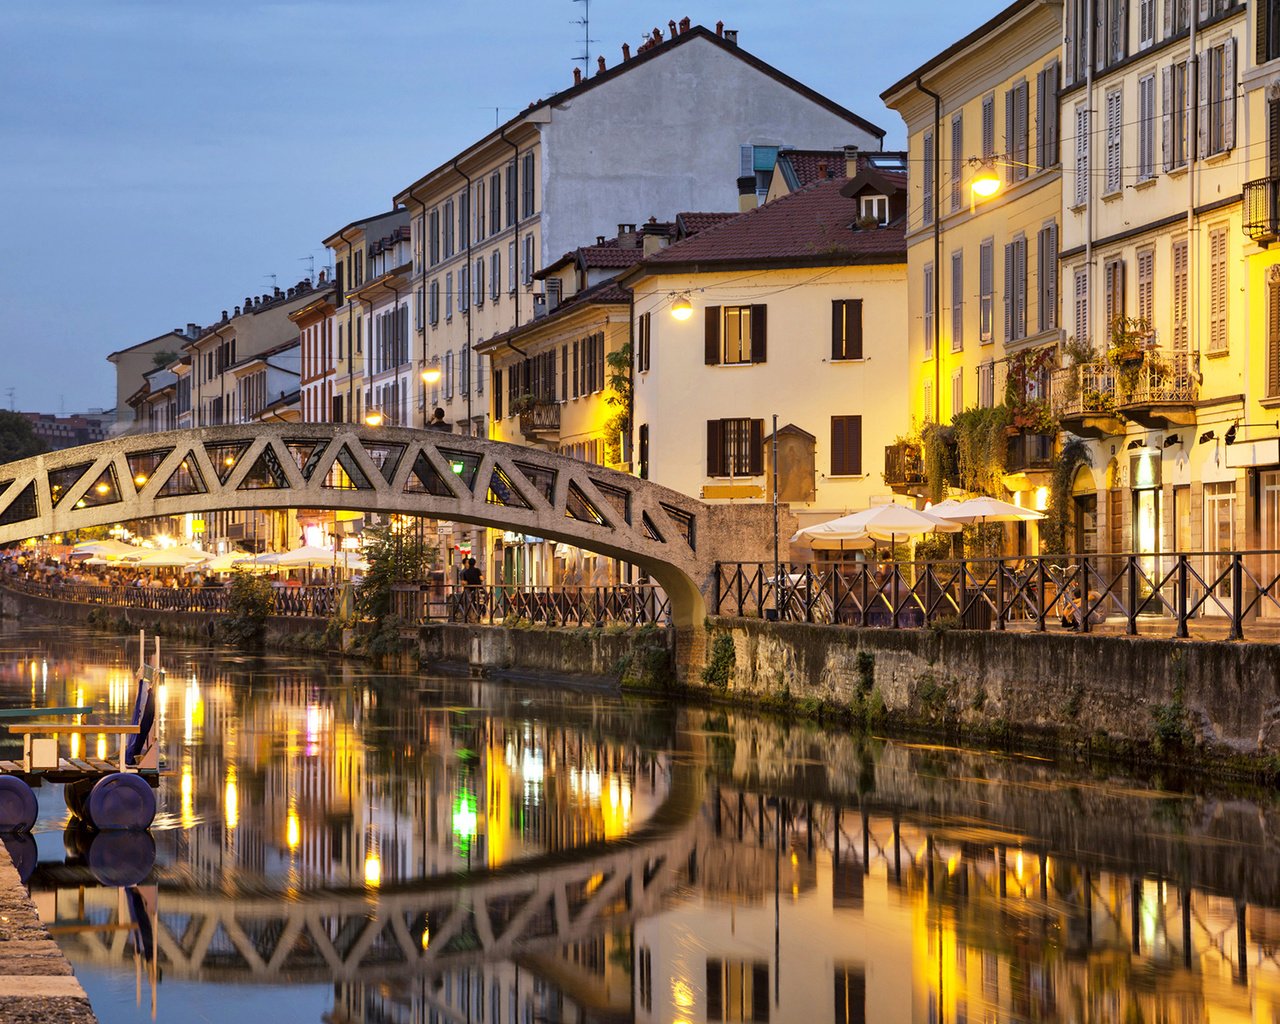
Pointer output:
310, 261
9, 392
273, 280
585, 22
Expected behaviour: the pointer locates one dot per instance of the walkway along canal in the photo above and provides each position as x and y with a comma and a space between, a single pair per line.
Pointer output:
334, 840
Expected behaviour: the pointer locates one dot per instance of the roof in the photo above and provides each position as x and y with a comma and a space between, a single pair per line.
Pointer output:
801, 167
337, 235
652, 53
691, 223
1017, 7
811, 226
606, 293
150, 341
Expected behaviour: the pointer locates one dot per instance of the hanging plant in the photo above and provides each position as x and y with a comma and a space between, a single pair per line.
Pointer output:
1130, 340
982, 445
939, 459
1053, 528
1024, 387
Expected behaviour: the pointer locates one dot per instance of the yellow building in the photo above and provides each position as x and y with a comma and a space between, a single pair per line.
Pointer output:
1159, 376
983, 323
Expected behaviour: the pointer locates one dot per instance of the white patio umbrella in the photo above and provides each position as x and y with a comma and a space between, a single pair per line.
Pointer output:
170, 558
984, 510
892, 523
220, 563
111, 550
306, 557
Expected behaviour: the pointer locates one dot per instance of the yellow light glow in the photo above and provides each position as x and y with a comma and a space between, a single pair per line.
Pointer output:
187, 789
1017, 866
682, 994
682, 308
426, 937
140, 479
292, 830
373, 419
431, 375
231, 800
372, 868
102, 488
985, 184
1042, 498
230, 460
102, 747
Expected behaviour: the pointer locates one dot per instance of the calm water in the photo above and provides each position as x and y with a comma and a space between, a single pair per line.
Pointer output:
336, 844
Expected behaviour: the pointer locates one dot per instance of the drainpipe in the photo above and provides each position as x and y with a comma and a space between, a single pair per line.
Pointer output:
422, 281
937, 252
351, 341
1193, 132
471, 285
1090, 277
515, 180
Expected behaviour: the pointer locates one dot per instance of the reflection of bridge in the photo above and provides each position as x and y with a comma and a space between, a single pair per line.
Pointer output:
389, 470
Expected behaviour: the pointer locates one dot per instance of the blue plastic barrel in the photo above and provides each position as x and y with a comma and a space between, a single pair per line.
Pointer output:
17, 805
121, 801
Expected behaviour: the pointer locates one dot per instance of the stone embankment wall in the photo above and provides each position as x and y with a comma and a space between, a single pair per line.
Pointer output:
1098, 689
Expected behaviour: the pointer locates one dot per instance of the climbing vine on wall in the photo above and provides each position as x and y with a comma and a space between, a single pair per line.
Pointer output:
982, 445
1054, 527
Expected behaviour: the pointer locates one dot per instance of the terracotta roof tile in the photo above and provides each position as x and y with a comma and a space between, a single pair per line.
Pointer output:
689, 224
814, 222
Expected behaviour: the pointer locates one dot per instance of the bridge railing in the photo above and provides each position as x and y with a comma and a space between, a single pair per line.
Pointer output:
1076, 592
619, 604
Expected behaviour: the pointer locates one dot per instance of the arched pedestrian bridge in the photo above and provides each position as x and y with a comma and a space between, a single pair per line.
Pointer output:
675, 538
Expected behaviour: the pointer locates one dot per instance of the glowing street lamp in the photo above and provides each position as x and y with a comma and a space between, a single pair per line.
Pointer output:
986, 182
373, 418
682, 308
432, 374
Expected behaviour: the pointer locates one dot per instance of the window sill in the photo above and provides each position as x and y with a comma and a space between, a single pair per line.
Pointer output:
855, 359
1217, 353
1078, 207
848, 476
1270, 402
1111, 197
1177, 172
1214, 159
1145, 182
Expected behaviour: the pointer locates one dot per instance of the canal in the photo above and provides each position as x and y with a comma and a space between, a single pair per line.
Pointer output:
341, 844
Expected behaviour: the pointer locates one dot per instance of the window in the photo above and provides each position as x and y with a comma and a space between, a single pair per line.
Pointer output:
1113, 293
758, 162
1218, 284
449, 225
1268, 30
1147, 23
988, 127
1176, 115
464, 288
957, 161
1047, 262
846, 329
1082, 154
1113, 178
874, 206
433, 234
464, 370
957, 301
1218, 99
986, 291
511, 268
957, 392
358, 336
1181, 296
987, 384
1015, 290
512, 192
1075, 40
1114, 47
926, 178
1015, 131
448, 296
526, 186
735, 447
929, 409
497, 394
480, 210
642, 443
735, 335
448, 374
846, 445
433, 305
928, 311
564, 373
526, 263
419, 308
1047, 116
1177, 17
357, 269
477, 286
1146, 284
644, 325
1080, 290
1273, 338
342, 351
1146, 127
464, 219
495, 202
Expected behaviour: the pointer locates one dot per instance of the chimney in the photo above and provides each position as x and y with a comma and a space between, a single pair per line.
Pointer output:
823, 170
224, 315
601, 67
657, 36
720, 28
577, 76
671, 27
626, 51
654, 236
627, 236
850, 161
194, 329
685, 24
599, 239
731, 36
747, 198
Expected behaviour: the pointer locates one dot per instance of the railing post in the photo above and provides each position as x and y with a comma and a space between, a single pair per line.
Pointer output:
1082, 613
1131, 584
1000, 609
1181, 598
715, 598
964, 587
1040, 595
866, 593
1237, 597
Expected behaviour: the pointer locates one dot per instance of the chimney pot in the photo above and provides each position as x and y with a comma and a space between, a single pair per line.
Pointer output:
657, 35
626, 51
731, 36
224, 316
747, 198
822, 169
685, 24
577, 76
600, 64
671, 26
599, 239
720, 28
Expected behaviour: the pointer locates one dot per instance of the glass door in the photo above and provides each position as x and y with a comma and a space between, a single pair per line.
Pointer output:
1219, 537
1269, 535
1146, 532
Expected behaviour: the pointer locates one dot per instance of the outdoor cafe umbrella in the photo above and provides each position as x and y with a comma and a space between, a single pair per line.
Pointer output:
984, 510
110, 550
311, 557
167, 558
892, 523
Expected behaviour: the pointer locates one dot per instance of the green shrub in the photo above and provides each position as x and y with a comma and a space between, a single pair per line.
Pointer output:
249, 602
719, 669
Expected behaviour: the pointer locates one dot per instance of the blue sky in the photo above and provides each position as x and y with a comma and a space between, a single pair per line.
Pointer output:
162, 158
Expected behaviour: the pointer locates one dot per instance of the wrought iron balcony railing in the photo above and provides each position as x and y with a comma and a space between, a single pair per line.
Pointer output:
903, 466
1261, 218
1029, 451
540, 419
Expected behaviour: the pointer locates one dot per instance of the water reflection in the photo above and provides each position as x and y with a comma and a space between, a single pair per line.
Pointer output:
434, 850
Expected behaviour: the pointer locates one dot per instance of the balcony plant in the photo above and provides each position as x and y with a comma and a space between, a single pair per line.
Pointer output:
1025, 391
1130, 342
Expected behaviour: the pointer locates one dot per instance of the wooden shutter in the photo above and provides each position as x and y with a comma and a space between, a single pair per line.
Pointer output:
756, 454
1203, 11
837, 329
853, 329
988, 126
846, 445
712, 327
759, 333
1020, 287
1229, 91
715, 448
1050, 269
1008, 293
1010, 136
1273, 339
1166, 116
1202, 126
497, 394
1069, 42
1168, 19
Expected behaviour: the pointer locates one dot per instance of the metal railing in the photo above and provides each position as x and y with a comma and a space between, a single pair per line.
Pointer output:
316, 602
1074, 592
1029, 451
1086, 389
540, 418
1096, 388
903, 466
1261, 215
620, 604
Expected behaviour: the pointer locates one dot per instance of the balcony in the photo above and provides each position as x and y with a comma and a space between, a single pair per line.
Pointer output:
1029, 452
541, 421
1261, 219
903, 467
1157, 390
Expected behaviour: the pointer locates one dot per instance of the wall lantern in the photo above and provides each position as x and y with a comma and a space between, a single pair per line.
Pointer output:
682, 308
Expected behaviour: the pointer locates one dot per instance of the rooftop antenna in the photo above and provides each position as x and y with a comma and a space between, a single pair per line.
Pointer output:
310, 261
585, 22
273, 280
9, 392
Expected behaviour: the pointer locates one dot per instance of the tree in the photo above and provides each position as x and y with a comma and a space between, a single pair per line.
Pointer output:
392, 557
618, 399
18, 438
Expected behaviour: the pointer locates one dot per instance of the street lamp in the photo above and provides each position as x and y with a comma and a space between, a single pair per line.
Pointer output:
986, 182
373, 418
432, 375
682, 308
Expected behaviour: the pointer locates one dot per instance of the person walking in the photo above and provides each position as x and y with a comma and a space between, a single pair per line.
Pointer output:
472, 595
438, 422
